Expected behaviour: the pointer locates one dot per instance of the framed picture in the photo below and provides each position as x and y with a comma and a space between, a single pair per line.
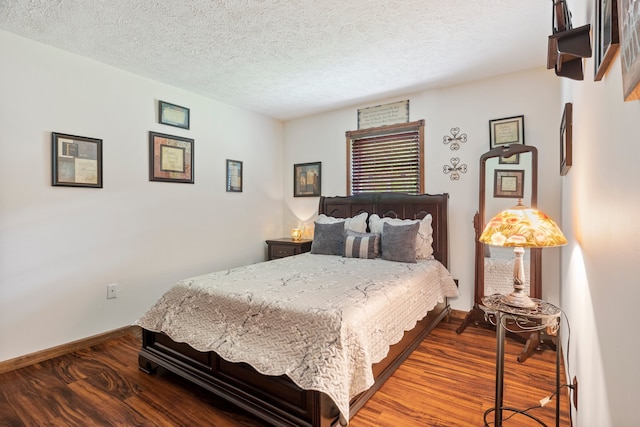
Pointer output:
509, 130
383, 115
173, 115
307, 179
605, 36
566, 136
234, 176
629, 26
513, 160
76, 161
170, 158
508, 183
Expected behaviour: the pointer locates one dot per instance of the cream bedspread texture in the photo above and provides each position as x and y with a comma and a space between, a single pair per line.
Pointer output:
322, 320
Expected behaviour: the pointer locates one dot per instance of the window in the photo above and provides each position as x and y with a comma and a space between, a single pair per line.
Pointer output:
387, 158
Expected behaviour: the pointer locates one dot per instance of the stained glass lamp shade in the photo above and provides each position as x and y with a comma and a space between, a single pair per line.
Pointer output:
521, 227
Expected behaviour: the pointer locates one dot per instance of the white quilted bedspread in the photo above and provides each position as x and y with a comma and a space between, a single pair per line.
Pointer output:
322, 320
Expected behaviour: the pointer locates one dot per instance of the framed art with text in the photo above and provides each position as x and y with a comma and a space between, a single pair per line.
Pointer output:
509, 130
508, 183
566, 139
77, 161
307, 179
605, 36
511, 160
170, 158
234, 176
173, 115
629, 25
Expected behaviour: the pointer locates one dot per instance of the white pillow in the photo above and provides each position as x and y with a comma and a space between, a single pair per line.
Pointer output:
424, 239
357, 223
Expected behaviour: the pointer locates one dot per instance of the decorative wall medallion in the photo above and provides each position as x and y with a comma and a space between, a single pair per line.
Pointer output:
454, 139
455, 169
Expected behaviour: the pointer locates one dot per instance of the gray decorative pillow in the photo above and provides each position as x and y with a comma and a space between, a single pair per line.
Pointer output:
361, 245
328, 239
424, 238
399, 242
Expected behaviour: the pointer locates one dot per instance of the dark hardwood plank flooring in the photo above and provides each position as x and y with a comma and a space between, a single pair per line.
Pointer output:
448, 381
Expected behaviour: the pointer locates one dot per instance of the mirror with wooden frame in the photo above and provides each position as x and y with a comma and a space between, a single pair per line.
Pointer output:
507, 174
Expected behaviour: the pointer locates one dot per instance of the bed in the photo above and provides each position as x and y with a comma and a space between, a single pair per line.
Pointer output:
256, 345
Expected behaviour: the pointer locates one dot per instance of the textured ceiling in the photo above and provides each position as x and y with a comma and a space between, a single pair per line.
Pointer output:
288, 59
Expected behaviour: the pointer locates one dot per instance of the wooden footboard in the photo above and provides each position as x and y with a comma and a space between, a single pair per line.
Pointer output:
276, 400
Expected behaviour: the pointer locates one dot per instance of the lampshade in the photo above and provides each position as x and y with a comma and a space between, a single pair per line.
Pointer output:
521, 227
296, 234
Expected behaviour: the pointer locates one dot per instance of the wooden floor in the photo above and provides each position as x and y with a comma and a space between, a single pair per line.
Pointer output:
448, 381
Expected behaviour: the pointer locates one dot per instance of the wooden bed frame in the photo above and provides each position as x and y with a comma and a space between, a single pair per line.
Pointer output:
277, 400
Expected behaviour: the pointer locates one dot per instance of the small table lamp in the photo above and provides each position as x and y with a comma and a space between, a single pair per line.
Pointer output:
296, 234
521, 227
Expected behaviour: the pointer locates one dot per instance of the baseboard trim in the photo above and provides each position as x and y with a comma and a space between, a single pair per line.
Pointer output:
50, 353
459, 314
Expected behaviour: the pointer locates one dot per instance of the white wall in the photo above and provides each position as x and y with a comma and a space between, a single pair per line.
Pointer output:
600, 210
60, 246
534, 94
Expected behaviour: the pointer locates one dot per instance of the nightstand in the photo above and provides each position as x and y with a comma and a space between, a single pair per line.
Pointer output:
281, 248
514, 319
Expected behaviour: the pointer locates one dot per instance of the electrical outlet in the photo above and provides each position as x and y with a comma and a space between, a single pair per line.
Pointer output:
112, 290
574, 387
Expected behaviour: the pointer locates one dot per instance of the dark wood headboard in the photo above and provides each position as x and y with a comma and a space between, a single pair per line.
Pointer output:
396, 205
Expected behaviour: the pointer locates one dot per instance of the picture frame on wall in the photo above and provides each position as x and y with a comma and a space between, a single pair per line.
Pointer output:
606, 36
504, 132
173, 115
511, 160
507, 131
508, 183
566, 139
170, 158
629, 26
234, 176
76, 161
307, 179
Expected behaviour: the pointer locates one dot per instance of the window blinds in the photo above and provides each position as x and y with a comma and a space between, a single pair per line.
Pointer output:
386, 159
